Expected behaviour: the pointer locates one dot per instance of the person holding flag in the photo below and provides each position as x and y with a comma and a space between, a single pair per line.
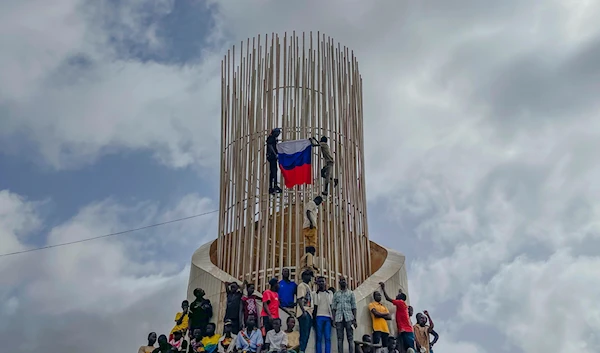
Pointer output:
272, 159
327, 171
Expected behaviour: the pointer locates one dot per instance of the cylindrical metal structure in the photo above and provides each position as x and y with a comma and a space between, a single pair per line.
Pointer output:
308, 87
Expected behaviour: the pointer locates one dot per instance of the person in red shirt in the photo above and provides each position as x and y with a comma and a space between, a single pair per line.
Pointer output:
406, 336
271, 305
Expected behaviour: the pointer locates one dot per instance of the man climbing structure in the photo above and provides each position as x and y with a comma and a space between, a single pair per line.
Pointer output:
309, 232
272, 159
327, 171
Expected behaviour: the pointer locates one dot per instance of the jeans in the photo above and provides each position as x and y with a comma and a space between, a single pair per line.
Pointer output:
339, 328
407, 339
305, 322
323, 331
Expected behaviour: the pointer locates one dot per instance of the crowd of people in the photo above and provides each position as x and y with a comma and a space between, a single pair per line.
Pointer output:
249, 329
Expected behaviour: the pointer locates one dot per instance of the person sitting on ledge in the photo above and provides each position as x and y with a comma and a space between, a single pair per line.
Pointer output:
181, 319
249, 339
390, 346
178, 342
150, 347
227, 341
210, 339
277, 340
364, 346
164, 346
292, 336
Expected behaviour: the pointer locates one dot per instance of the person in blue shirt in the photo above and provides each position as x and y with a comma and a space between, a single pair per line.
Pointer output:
249, 339
287, 291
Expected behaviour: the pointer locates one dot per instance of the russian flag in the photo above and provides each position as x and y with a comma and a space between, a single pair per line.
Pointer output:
295, 162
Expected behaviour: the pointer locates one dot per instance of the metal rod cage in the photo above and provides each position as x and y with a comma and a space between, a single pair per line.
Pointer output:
308, 88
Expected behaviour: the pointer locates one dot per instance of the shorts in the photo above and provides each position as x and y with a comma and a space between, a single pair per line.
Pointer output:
310, 237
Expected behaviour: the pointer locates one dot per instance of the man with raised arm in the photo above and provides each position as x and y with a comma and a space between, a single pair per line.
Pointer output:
406, 337
422, 331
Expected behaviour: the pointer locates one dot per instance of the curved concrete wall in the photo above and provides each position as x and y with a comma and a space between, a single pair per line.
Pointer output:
206, 275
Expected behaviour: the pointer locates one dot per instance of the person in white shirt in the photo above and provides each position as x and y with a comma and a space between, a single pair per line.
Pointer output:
309, 230
304, 304
323, 316
276, 339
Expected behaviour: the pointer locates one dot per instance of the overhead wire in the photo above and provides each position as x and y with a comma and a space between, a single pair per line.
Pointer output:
107, 235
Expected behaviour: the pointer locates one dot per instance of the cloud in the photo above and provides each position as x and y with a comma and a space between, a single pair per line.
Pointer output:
82, 101
89, 285
488, 109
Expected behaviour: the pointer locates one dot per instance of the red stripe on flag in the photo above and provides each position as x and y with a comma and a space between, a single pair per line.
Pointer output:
297, 176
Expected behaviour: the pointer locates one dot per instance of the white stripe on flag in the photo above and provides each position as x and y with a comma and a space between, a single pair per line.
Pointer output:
291, 147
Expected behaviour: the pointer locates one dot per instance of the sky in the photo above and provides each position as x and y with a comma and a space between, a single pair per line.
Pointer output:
480, 133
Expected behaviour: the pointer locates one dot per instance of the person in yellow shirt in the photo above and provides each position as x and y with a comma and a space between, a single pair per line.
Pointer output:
181, 320
293, 336
380, 315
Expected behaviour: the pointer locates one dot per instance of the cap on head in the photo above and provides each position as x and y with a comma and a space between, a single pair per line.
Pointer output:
323, 139
318, 199
273, 281
227, 322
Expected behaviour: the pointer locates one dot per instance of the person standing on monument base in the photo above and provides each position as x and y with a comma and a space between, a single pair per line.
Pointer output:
234, 307
271, 305
304, 308
344, 315
422, 331
200, 311
327, 171
323, 317
249, 302
272, 159
309, 229
287, 291
406, 337
379, 314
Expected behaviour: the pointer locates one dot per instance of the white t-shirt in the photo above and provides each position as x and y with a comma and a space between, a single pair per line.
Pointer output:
312, 207
276, 340
323, 301
304, 291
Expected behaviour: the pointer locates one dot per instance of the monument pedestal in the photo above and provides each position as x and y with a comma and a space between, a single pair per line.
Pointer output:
388, 266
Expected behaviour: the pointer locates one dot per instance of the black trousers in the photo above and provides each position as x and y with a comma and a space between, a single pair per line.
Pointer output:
380, 337
267, 324
272, 173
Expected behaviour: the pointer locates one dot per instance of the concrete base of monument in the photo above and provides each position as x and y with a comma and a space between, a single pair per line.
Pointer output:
388, 266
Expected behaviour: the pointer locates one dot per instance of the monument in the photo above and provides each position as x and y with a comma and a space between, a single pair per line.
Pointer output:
308, 86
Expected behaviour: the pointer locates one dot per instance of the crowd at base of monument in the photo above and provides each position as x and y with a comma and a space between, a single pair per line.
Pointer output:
250, 330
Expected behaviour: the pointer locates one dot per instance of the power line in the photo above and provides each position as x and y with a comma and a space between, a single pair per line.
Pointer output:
107, 235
